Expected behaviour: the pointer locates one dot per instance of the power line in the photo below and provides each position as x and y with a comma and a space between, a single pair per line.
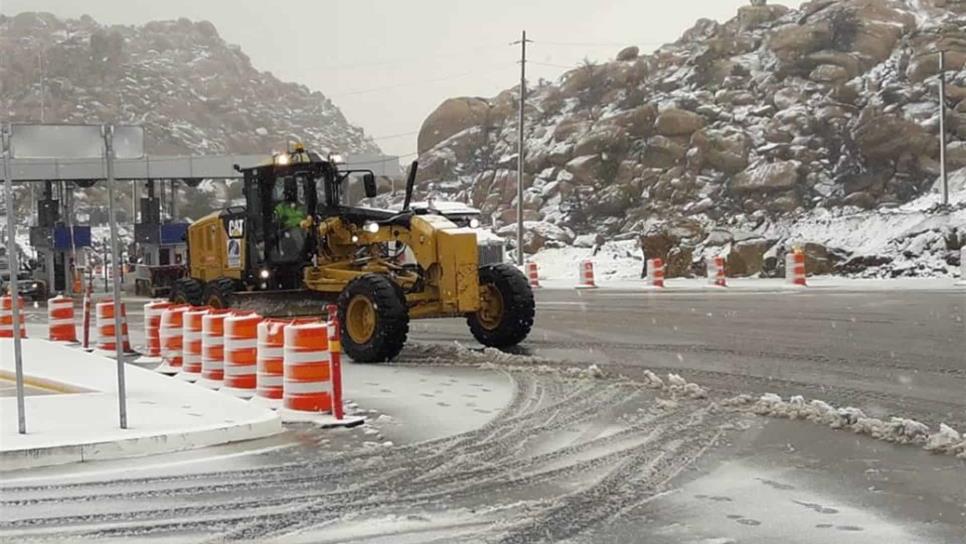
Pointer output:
391, 136
599, 44
552, 65
405, 60
418, 82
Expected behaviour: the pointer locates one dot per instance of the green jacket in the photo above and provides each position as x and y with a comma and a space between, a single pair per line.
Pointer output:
289, 215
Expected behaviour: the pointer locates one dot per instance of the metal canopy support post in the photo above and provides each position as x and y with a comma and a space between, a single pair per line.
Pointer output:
115, 270
14, 264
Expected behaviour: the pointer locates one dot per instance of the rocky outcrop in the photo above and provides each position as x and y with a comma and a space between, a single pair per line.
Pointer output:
452, 117
192, 92
772, 113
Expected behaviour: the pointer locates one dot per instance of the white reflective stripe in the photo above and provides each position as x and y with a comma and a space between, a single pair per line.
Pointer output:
212, 363
212, 341
302, 388
239, 370
299, 357
58, 322
192, 335
240, 343
269, 353
269, 380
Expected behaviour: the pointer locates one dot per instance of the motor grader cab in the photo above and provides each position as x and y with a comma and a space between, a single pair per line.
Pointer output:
295, 247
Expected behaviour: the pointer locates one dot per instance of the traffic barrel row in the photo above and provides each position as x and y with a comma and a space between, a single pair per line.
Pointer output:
6, 316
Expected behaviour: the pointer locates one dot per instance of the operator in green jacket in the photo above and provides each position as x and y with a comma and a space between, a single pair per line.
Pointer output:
289, 212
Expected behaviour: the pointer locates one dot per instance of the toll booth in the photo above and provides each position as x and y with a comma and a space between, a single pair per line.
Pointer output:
62, 249
161, 249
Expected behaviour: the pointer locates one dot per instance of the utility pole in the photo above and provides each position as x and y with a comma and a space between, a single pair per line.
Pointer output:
523, 97
942, 126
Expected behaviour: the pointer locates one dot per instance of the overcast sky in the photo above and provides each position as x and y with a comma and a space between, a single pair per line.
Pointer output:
388, 63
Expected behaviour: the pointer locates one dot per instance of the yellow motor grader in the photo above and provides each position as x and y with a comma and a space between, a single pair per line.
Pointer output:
294, 247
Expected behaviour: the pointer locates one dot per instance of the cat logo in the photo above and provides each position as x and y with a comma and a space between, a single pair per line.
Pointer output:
236, 228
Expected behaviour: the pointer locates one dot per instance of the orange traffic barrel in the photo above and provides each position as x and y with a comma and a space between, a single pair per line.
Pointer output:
716, 271
191, 343
172, 321
60, 319
655, 272
6, 317
307, 383
271, 340
240, 349
533, 275
152, 326
106, 337
586, 278
795, 268
213, 348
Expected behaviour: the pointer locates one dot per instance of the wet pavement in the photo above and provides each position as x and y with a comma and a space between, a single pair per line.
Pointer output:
522, 451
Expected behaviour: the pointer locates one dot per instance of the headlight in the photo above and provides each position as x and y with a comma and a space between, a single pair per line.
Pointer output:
282, 159
371, 227
474, 223
355, 238
264, 274
336, 159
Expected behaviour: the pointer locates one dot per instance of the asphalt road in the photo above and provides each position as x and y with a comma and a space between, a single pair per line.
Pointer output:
581, 459
898, 352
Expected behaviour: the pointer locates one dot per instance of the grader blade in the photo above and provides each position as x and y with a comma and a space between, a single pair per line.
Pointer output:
287, 303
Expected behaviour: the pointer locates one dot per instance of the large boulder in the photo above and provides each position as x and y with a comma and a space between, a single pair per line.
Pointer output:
678, 122
663, 152
584, 169
637, 122
451, 117
766, 177
882, 135
536, 234
745, 258
758, 14
628, 53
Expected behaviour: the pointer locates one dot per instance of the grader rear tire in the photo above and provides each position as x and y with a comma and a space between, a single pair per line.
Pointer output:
188, 291
218, 293
507, 308
374, 317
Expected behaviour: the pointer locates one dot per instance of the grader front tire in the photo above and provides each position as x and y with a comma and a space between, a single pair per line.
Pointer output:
507, 307
374, 317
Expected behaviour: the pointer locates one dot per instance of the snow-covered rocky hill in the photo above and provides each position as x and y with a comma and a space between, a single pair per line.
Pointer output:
194, 93
729, 137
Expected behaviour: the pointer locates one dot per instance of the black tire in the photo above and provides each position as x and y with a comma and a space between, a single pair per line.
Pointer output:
518, 309
391, 319
188, 291
219, 293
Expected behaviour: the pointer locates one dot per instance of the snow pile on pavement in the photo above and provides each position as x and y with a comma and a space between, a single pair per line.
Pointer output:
898, 430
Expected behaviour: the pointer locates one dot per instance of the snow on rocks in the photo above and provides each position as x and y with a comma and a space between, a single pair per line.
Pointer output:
899, 430
652, 380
